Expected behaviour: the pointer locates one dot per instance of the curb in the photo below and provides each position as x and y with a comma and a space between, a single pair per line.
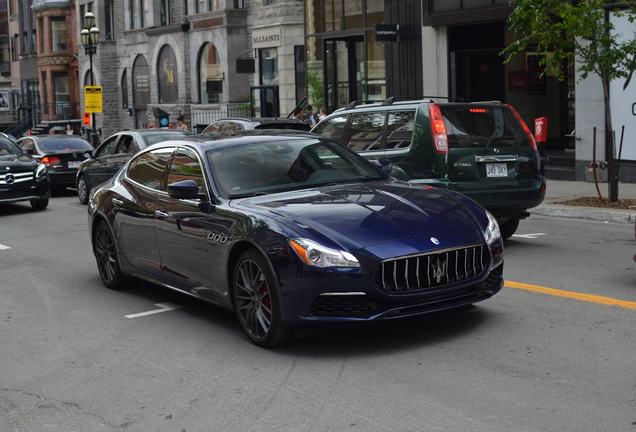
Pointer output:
585, 213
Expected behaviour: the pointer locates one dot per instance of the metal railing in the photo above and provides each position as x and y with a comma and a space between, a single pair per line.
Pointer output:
60, 111
206, 114
18, 128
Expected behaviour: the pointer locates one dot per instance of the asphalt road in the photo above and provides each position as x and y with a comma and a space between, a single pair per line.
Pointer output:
524, 360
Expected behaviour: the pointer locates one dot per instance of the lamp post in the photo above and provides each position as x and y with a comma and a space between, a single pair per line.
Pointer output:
90, 39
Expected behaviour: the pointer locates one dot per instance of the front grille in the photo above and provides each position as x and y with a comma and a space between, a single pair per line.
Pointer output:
12, 178
433, 269
342, 306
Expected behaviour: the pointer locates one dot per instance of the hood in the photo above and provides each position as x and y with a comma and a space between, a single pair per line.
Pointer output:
362, 215
15, 162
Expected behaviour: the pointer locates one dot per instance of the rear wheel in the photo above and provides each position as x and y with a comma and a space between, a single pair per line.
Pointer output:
82, 190
39, 204
509, 228
106, 256
257, 302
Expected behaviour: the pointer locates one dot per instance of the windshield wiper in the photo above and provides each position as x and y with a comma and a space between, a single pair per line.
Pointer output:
247, 195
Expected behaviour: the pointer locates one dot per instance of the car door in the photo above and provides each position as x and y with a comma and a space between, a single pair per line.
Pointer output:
182, 227
97, 170
135, 204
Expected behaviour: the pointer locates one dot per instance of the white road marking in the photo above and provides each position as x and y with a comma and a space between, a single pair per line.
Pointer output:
4, 247
164, 307
529, 236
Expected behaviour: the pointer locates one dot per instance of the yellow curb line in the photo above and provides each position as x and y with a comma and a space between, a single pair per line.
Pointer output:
608, 301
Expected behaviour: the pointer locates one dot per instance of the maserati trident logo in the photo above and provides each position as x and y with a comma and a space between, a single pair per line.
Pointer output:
438, 267
9, 178
434, 241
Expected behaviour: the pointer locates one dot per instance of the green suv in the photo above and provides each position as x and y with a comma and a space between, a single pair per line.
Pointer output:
483, 150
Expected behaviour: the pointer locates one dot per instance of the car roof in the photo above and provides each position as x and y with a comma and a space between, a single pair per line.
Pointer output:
56, 137
154, 131
391, 103
260, 120
215, 140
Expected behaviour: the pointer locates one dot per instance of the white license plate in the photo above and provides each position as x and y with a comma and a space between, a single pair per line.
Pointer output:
496, 170
74, 164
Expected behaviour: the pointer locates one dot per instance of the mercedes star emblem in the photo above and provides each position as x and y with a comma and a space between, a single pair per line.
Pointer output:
9, 178
434, 241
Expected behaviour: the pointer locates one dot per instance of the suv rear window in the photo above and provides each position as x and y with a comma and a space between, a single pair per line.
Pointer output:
470, 126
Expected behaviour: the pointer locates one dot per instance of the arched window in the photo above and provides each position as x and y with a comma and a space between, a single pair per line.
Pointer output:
124, 89
210, 77
168, 78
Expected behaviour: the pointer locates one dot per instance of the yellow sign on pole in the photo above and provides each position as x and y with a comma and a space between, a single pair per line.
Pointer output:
93, 99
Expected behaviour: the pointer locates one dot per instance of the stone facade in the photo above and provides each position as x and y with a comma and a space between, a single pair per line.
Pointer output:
229, 28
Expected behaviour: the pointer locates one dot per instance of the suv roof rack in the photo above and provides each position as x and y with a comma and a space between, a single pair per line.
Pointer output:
490, 102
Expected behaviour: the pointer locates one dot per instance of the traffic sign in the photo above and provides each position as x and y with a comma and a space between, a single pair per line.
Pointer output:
93, 99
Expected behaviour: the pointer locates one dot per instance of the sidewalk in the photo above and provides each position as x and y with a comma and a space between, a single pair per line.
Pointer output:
557, 190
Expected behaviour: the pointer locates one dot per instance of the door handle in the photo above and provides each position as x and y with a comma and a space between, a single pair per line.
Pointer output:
117, 201
161, 214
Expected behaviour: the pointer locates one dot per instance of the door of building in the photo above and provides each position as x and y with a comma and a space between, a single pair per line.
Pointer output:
344, 71
477, 75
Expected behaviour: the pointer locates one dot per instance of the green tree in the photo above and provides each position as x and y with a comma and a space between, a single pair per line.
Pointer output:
579, 29
316, 89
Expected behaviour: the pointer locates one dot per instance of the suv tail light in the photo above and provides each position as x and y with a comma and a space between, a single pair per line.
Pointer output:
51, 161
533, 143
438, 128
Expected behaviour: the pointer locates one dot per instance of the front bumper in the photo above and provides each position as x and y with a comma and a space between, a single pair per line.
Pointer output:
313, 297
37, 189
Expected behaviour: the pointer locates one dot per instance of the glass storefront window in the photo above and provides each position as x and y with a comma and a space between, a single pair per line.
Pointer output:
167, 73
58, 34
333, 15
376, 72
210, 79
353, 14
268, 66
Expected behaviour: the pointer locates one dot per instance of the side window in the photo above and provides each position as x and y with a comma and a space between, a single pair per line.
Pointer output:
367, 130
127, 144
149, 169
399, 129
231, 126
108, 147
186, 166
28, 146
215, 127
333, 128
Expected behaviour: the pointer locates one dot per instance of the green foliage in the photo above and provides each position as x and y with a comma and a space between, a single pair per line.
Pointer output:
564, 29
316, 89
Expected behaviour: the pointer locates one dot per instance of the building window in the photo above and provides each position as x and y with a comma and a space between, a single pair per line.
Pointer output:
42, 48
62, 92
164, 12
268, 66
124, 89
109, 23
210, 77
206, 5
168, 78
239, 4
58, 34
143, 10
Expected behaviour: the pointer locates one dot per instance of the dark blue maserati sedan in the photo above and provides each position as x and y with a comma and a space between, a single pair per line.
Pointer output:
290, 229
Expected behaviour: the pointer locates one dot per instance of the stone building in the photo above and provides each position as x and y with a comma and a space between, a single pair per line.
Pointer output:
180, 57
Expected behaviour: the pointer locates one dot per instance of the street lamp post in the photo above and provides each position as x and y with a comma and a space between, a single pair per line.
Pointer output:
90, 39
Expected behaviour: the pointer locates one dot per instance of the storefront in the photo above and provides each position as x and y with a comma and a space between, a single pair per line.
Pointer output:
347, 61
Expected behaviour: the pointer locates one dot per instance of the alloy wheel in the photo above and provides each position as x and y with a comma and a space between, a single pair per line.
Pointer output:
82, 190
106, 254
253, 299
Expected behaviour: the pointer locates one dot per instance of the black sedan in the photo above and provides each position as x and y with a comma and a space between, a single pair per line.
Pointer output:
114, 152
22, 178
61, 154
290, 230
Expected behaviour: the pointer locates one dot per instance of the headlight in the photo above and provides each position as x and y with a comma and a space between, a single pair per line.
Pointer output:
318, 255
40, 170
492, 233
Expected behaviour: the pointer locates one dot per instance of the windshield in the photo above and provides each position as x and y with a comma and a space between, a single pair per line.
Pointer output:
479, 126
262, 168
64, 144
7, 147
160, 137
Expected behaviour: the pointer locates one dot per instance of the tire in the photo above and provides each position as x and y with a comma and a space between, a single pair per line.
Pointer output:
509, 228
256, 301
82, 190
106, 256
39, 204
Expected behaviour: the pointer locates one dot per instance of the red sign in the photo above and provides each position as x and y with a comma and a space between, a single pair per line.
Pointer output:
541, 129
87, 119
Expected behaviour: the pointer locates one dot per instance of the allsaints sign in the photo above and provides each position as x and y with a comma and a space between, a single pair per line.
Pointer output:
265, 38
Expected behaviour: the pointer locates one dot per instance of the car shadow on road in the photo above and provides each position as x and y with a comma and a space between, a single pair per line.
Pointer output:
15, 209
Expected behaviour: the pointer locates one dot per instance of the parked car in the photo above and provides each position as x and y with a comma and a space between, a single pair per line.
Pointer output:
113, 153
61, 154
291, 229
22, 178
483, 150
240, 124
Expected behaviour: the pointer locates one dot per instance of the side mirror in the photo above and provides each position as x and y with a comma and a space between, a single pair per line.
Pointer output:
184, 189
384, 165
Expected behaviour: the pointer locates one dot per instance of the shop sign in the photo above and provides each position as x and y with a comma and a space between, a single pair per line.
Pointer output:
141, 83
265, 38
386, 32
